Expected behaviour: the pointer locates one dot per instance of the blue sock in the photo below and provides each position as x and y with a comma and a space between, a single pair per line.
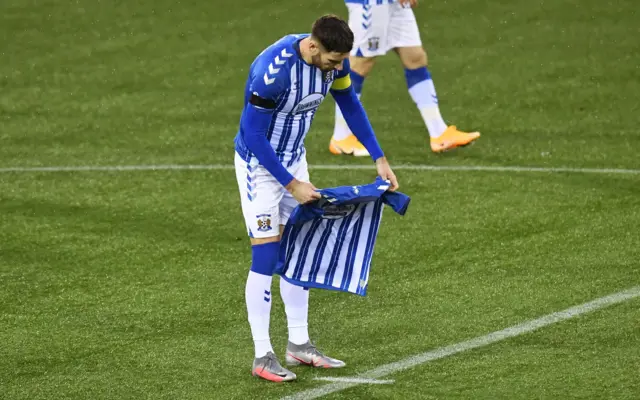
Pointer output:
423, 93
357, 81
264, 258
415, 76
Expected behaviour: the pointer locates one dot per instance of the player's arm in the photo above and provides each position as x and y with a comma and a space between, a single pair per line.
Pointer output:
354, 113
359, 124
266, 89
256, 119
255, 123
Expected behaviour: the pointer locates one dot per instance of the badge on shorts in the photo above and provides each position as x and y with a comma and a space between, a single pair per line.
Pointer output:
264, 222
374, 43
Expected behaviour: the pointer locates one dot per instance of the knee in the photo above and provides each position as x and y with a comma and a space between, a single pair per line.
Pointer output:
362, 65
414, 57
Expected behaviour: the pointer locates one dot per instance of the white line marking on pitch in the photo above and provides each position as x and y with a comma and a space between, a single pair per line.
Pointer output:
480, 341
359, 381
408, 167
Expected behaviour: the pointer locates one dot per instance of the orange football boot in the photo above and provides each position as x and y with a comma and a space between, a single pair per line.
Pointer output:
350, 146
452, 138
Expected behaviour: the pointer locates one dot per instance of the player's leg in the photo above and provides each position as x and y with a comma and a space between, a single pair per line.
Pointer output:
421, 88
260, 197
369, 24
300, 350
343, 139
405, 39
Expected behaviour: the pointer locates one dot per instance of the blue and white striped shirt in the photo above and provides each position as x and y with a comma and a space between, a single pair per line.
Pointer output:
329, 244
281, 75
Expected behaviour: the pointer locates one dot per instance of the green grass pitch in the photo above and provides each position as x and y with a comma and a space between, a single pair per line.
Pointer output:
130, 285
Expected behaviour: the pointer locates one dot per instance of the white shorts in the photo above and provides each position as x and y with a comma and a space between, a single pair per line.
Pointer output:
379, 28
266, 204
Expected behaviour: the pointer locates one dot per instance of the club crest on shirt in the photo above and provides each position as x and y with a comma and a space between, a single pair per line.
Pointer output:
264, 222
329, 76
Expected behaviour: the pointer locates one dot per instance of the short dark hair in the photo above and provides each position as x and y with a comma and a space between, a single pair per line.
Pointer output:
333, 33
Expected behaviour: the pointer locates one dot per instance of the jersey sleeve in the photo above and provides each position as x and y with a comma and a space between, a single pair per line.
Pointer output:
342, 80
268, 83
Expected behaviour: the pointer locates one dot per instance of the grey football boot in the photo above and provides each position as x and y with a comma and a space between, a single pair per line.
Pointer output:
269, 368
308, 354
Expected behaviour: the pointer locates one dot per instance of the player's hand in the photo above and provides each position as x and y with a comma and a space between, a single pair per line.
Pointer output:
303, 192
408, 3
385, 172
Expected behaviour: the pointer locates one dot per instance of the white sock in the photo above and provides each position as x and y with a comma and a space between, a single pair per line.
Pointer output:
258, 298
424, 95
341, 130
296, 305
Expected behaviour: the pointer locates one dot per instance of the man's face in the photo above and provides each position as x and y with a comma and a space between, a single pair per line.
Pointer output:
326, 60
